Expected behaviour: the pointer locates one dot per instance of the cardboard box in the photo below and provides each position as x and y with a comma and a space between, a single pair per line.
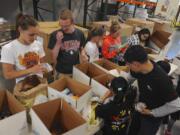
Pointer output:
85, 72
107, 65
140, 23
81, 90
58, 111
9, 104
160, 38
161, 25
17, 125
46, 28
99, 84
126, 30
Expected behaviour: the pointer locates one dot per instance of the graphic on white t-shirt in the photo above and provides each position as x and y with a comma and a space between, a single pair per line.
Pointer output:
22, 56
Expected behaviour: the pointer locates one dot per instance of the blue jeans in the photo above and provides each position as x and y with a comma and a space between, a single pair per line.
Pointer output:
144, 125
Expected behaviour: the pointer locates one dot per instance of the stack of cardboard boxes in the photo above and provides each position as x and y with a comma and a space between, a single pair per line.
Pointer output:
140, 23
126, 30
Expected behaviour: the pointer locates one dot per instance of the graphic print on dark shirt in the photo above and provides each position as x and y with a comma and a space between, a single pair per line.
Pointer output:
116, 118
156, 88
69, 51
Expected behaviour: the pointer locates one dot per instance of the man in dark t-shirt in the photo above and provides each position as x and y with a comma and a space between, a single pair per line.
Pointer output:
66, 44
156, 92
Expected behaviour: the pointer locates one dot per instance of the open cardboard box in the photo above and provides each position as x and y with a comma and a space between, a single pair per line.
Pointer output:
59, 112
85, 72
107, 65
81, 90
9, 103
17, 125
99, 84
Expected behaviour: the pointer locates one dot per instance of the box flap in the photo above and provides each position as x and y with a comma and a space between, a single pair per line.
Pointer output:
90, 70
108, 65
104, 79
47, 111
69, 118
80, 76
59, 84
76, 87
160, 38
14, 105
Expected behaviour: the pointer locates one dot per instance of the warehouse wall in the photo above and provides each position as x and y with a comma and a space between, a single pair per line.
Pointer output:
9, 11
172, 7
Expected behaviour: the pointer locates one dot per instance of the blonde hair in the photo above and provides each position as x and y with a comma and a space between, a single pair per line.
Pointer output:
66, 14
115, 26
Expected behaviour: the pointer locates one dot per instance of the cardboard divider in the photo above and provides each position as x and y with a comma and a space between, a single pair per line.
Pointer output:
78, 89
99, 84
67, 118
47, 111
84, 72
107, 65
8, 101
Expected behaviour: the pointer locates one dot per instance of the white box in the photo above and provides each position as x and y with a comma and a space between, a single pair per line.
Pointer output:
98, 84
16, 123
85, 72
83, 91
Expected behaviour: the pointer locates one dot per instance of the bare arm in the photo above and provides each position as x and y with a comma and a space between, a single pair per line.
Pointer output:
9, 71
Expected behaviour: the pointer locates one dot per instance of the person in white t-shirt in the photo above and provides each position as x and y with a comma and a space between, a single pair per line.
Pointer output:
92, 46
22, 56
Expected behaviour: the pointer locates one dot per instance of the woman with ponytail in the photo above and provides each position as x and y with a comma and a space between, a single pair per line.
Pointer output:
116, 113
23, 56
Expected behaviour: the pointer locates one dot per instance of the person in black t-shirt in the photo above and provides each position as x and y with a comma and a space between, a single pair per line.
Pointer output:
169, 119
66, 44
116, 114
156, 92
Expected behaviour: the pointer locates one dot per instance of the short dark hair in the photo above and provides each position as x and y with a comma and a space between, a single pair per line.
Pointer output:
144, 31
136, 53
119, 87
